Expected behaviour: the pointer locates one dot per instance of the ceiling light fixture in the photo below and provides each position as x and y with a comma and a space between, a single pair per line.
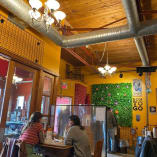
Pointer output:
107, 69
50, 13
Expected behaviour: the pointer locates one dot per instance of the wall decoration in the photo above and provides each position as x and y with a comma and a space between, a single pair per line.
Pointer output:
137, 104
116, 96
138, 118
152, 109
64, 85
137, 88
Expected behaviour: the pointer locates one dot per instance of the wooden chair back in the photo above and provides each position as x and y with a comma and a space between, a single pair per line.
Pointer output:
98, 148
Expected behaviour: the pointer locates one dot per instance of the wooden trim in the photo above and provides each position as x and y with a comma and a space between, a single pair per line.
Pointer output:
7, 93
24, 61
55, 90
40, 90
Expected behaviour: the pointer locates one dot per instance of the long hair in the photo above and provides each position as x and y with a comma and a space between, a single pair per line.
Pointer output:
76, 120
34, 118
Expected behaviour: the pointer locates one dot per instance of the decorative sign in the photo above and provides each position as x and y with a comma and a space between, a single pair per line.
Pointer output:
64, 85
153, 109
138, 118
137, 104
137, 88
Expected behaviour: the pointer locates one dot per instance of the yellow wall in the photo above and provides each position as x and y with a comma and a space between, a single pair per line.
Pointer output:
70, 91
51, 58
127, 78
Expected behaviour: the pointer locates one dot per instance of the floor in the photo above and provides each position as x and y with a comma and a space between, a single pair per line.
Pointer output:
119, 155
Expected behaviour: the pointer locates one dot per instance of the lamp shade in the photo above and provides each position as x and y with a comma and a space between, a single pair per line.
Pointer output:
35, 4
100, 69
59, 15
107, 67
52, 4
113, 69
34, 14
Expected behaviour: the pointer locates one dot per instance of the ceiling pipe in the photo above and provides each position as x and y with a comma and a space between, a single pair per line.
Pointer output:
130, 7
21, 9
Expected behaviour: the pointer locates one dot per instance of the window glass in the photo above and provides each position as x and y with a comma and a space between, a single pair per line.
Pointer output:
19, 102
3, 76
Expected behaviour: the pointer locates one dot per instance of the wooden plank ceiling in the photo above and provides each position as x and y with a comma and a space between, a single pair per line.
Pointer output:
97, 13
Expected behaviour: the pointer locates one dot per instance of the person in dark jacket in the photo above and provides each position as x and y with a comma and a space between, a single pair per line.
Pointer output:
111, 124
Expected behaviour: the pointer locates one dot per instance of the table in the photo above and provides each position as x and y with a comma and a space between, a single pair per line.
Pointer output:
57, 150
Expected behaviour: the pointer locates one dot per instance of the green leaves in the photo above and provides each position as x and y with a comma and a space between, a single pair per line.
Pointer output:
116, 96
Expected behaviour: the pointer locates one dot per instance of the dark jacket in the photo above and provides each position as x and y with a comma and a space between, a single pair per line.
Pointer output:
149, 148
111, 121
13, 148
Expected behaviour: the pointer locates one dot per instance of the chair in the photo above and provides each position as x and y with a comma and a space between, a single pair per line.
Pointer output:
98, 148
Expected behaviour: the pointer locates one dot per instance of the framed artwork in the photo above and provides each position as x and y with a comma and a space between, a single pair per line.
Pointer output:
152, 109
137, 88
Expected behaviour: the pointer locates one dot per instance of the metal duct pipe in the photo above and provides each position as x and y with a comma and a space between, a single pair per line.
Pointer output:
130, 7
142, 50
20, 9
97, 36
131, 13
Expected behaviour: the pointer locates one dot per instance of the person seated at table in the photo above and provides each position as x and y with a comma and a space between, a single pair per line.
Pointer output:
32, 133
76, 136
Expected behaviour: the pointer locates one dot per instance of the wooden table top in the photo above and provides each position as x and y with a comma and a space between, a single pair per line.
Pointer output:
57, 146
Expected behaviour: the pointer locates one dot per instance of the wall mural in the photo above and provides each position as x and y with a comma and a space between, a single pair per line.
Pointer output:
137, 88
116, 96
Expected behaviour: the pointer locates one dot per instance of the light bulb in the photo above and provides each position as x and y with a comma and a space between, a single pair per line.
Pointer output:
49, 20
35, 4
34, 14
100, 69
110, 71
113, 69
103, 71
107, 67
59, 15
52, 4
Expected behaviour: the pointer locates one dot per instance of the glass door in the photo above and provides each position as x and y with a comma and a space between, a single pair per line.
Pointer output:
21, 100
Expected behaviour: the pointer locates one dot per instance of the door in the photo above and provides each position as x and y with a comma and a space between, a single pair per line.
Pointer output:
19, 100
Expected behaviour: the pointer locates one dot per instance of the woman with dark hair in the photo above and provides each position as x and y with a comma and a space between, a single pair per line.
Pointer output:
32, 133
76, 136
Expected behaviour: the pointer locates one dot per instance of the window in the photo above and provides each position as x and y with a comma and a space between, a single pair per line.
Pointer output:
4, 63
19, 101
